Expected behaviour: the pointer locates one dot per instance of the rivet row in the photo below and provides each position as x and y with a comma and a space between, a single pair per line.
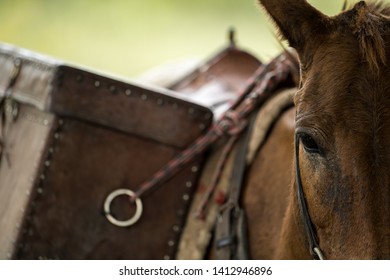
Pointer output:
144, 97
176, 228
28, 230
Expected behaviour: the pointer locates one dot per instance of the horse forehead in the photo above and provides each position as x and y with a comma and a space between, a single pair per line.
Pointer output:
345, 97
339, 79
362, 128
362, 110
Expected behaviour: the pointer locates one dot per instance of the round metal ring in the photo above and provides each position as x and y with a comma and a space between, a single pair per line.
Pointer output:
132, 220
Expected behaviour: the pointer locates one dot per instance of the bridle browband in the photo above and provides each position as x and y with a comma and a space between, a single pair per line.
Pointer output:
309, 228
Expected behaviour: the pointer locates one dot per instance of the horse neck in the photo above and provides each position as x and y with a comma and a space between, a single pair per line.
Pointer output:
293, 243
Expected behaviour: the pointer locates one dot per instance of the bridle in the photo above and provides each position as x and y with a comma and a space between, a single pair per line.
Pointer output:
315, 250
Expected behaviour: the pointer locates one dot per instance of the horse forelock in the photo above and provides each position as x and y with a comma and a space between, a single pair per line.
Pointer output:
367, 22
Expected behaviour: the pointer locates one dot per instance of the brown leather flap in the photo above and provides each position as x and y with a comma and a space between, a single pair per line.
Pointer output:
49, 85
156, 115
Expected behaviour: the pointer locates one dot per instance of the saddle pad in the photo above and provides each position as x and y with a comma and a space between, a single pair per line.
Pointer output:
69, 137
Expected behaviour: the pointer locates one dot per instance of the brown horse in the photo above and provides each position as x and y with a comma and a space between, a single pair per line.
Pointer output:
342, 132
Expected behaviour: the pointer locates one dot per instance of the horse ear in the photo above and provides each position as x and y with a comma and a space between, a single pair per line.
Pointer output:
298, 21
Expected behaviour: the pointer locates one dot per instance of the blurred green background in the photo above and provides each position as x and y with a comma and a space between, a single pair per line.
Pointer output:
127, 37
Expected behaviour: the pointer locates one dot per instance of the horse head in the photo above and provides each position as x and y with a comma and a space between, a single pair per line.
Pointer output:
342, 127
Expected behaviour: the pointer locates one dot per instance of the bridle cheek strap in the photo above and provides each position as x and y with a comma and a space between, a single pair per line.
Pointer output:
315, 250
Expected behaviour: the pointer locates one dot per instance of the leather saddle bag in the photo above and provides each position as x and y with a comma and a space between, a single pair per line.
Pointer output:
71, 137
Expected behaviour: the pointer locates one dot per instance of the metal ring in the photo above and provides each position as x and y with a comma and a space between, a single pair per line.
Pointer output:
132, 220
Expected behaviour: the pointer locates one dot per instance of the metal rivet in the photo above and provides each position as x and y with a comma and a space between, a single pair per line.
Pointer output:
42, 176
56, 135
51, 150
186, 197
194, 169
97, 84
112, 88
47, 163
188, 184
17, 62
45, 122
166, 257
191, 111
171, 243
60, 122
128, 92
202, 126
144, 97
160, 102
180, 212
79, 78
176, 228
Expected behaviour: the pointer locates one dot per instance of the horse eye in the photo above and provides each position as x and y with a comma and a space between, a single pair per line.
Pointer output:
309, 144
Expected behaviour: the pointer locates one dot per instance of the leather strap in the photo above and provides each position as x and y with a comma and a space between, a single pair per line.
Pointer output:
309, 228
230, 232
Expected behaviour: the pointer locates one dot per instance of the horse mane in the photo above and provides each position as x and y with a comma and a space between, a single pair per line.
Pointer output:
366, 20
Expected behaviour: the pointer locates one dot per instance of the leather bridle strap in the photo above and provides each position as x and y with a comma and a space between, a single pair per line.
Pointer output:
315, 250
230, 228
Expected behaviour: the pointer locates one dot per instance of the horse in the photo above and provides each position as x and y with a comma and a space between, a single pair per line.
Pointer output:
320, 185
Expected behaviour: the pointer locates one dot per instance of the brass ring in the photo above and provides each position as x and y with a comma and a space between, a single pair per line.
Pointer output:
132, 220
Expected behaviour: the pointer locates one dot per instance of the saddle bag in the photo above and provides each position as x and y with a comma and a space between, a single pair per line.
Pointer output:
70, 138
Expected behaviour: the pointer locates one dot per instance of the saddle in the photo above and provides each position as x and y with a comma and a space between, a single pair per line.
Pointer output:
71, 140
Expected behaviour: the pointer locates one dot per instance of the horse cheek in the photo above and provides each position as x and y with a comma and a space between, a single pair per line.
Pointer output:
318, 189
